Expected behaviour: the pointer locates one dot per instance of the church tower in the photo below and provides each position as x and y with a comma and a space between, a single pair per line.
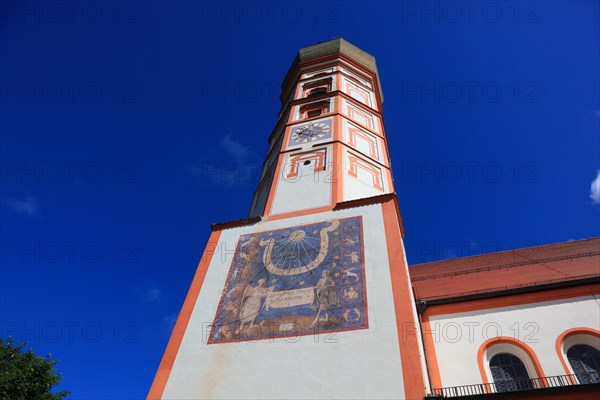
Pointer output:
308, 297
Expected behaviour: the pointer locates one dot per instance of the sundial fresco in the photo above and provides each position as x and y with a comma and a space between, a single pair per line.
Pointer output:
303, 280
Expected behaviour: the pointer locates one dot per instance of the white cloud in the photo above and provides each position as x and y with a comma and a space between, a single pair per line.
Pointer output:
149, 294
29, 206
241, 166
595, 189
235, 148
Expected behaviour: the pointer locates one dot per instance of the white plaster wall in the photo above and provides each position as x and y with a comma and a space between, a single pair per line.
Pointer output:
355, 188
361, 186
355, 364
308, 190
459, 336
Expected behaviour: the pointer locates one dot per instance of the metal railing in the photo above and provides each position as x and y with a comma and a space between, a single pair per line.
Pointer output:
515, 385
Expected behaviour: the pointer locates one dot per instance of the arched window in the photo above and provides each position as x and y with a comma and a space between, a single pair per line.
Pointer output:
509, 373
585, 361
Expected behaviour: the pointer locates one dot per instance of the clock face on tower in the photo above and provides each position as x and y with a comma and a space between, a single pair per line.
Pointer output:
310, 132
299, 280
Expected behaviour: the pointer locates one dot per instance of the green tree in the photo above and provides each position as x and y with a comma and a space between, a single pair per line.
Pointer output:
25, 376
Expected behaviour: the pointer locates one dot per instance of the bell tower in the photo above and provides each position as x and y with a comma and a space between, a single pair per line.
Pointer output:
329, 144
308, 297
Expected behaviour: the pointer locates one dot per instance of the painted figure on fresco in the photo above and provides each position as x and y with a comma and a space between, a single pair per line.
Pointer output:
350, 293
350, 242
352, 318
295, 280
325, 297
252, 303
349, 274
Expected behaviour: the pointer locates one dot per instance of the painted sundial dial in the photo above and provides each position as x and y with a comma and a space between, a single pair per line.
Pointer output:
296, 254
299, 280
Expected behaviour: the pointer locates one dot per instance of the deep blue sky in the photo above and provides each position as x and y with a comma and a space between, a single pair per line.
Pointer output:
116, 123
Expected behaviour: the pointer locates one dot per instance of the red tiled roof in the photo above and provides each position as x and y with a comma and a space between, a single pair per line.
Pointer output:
507, 270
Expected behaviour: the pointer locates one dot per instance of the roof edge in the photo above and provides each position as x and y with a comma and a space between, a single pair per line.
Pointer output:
471, 257
533, 287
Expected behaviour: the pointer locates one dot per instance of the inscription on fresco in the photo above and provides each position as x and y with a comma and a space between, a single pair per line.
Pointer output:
301, 280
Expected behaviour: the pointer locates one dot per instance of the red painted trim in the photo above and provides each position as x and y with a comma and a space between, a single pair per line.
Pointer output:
390, 180
355, 161
166, 365
337, 188
370, 77
297, 77
325, 142
304, 67
353, 111
318, 155
302, 119
353, 133
412, 372
329, 61
432, 363
319, 105
357, 103
299, 213
513, 300
336, 64
373, 77
332, 93
319, 83
366, 94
